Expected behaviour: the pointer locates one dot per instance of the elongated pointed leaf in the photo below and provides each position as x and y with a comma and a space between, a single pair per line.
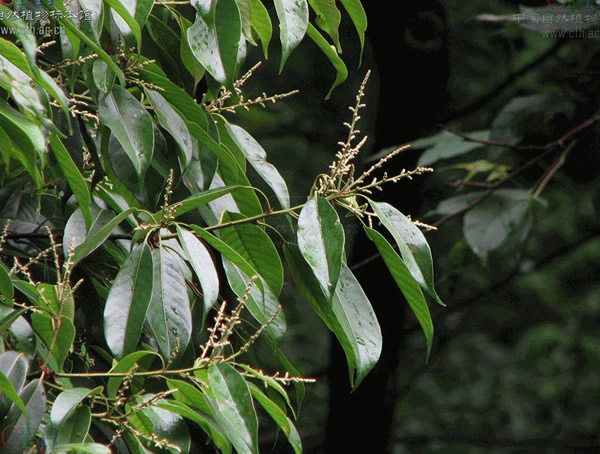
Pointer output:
8, 317
233, 407
257, 157
328, 19
252, 243
73, 429
261, 24
293, 20
131, 125
341, 72
203, 266
198, 200
6, 286
64, 406
13, 367
216, 48
73, 177
170, 119
128, 302
280, 418
261, 305
406, 282
123, 12
169, 315
96, 238
321, 241
9, 393
349, 315
18, 428
128, 363
412, 245
227, 251
358, 16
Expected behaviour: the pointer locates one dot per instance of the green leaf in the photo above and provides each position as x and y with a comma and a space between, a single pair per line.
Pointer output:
261, 24
104, 77
61, 342
132, 126
286, 425
252, 243
408, 285
127, 364
216, 48
169, 315
198, 200
412, 245
231, 254
358, 16
128, 302
257, 157
73, 177
362, 340
261, 305
170, 426
8, 318
73, 429
321, 241
170, 119
245, 8
84, 448
6, 286
503, 215
124, 19
18, 428
187, 57
349, 315
97, 237
203, 266
9, 392
328, 18
293, 20
446, 145
233, 407
332, 55
64, 406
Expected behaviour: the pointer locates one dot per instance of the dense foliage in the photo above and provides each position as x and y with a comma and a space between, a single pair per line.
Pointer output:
140, 279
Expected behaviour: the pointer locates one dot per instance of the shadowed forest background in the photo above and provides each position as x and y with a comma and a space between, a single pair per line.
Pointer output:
514, 368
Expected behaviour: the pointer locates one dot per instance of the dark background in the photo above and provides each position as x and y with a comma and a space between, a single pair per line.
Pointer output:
516, 358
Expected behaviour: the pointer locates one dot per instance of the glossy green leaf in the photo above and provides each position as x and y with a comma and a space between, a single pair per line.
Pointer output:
293, 20
257, 157
199, 199
447, 145
262, 305
245, 8
187, 57
321, 241
412, 244
104, 77
84, 448
408, 285
261, 24
64, 405
503, 215
252, 243
18, 428
123, 12
231, 254
328, 19
93, 26
128, 302
170, 119
73, 429
216, 48
169, 426
284, 423
127, 364
73, 177
96, 238
7, 291
358, 16
330, 52
169, 315
61, 342
132, 126
8, 317
233, 407
349, 315
9, 392
203, 266
14, 366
